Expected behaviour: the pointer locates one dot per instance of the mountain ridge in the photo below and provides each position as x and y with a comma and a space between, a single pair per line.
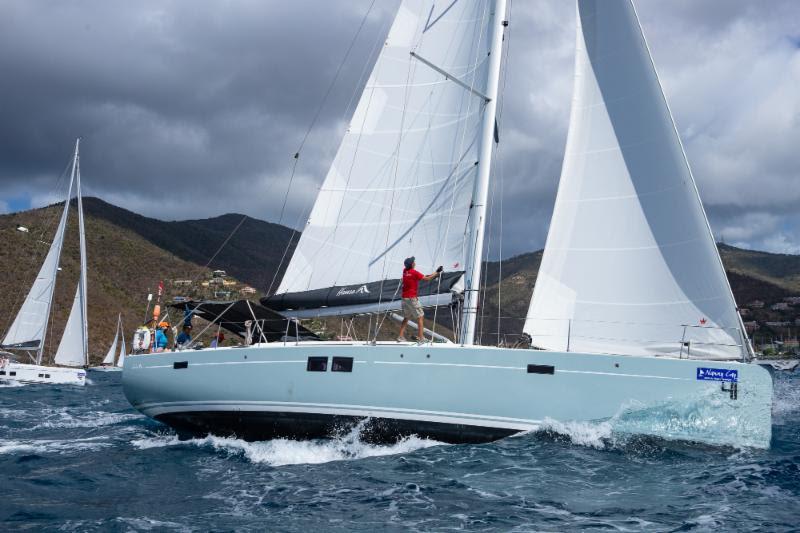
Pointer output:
129, 253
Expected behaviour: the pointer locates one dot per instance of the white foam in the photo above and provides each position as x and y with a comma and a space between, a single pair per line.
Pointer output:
50, 446
786, 396
589, 434
149, 524
62, 418
280, 452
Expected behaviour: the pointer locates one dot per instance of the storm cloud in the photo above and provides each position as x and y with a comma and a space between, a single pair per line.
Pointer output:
193, 109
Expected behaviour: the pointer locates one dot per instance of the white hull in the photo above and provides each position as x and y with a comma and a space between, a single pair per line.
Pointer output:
447, 392
59, 375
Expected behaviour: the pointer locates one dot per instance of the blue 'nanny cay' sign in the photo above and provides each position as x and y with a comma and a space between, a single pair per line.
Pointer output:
718, 374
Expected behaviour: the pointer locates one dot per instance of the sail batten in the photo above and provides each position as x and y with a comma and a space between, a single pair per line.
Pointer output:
402, 180
630, 265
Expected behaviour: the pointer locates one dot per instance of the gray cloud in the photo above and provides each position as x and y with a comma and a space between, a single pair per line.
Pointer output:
193, 109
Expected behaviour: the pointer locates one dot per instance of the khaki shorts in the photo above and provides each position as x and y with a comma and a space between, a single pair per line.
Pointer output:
412, 310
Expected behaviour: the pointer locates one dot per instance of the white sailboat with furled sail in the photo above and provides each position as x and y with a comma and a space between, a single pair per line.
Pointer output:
108, 364
27, 333
632, 315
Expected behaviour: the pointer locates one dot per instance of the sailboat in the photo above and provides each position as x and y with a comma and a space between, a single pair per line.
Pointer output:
632, 321
108, 361
28, 331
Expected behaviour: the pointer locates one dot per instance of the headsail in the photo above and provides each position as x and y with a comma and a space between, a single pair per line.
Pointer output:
402, 181
122, 350
112, 351
630, 265
70, 349
73, 350
30, 325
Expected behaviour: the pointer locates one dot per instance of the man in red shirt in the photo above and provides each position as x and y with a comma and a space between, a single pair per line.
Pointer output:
412, 310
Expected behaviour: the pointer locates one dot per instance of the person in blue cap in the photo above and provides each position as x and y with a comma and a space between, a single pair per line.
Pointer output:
412, 310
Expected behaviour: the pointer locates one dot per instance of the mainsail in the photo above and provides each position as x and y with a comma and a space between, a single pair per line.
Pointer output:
73, 350
30, 325
402, 180
630, 265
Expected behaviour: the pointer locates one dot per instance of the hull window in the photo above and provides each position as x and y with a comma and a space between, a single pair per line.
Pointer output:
180, 364
317, 364
342, 364
541, 369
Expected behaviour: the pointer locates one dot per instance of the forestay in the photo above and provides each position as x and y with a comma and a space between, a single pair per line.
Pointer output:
630, 265
402, 179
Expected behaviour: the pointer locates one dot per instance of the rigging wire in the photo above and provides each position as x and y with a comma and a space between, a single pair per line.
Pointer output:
313, 123
412, 69
474, 67
499, 159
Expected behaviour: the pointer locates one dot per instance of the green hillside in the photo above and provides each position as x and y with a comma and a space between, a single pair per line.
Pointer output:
123, 268
251, 255
782, 270
130, 253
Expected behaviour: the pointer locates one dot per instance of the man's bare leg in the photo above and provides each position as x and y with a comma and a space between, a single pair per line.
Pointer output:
421, 326
403, 328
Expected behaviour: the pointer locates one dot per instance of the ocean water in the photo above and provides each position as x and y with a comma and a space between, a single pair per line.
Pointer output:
81, 459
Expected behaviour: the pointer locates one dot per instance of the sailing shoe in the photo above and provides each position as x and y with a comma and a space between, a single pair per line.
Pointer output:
401, 339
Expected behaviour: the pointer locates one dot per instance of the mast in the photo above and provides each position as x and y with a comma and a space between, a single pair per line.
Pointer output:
477, 219
82, 279
58, 260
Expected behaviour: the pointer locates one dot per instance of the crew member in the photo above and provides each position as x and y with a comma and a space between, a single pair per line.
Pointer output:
412, 310
185, 336
216, 342
161, 337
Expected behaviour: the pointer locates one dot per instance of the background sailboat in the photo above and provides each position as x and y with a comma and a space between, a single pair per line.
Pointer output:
28, 331
108, 361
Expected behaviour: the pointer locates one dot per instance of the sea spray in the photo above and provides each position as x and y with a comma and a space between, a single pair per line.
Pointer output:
280, 452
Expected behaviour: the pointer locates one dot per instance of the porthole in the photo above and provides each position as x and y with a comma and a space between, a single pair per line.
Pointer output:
317, 364
342, 364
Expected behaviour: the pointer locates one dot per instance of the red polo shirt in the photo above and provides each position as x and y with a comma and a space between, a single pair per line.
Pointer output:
411, 279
